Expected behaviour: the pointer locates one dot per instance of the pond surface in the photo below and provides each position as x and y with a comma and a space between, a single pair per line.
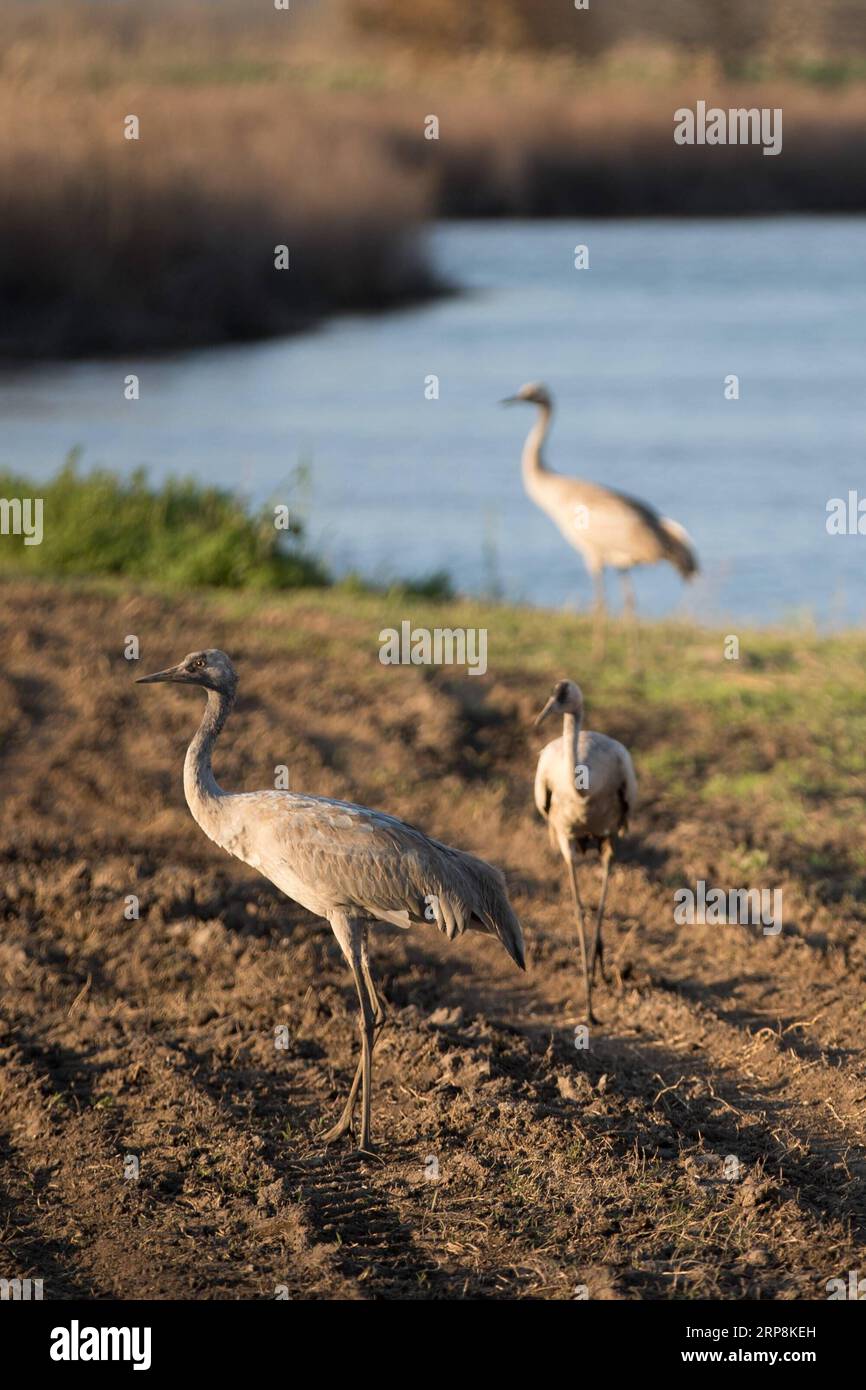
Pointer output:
636, 350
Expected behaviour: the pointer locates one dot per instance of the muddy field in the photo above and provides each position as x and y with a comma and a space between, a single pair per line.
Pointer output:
709, 1143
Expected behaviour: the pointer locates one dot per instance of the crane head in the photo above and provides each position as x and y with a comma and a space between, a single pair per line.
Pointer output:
567, 698
534, 392
210, 668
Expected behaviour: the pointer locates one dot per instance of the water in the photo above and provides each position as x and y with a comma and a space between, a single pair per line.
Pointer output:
635, 350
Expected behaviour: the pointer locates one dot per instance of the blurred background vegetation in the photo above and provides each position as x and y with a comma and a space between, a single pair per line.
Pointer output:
745, 37
305, 127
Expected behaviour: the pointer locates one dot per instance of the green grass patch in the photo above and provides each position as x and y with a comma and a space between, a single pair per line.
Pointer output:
181, 534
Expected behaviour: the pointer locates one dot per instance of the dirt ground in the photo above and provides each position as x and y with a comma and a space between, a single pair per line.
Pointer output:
708, 1143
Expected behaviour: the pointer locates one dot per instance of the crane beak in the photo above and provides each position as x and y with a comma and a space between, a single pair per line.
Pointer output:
509, 400
545, 712
169, 674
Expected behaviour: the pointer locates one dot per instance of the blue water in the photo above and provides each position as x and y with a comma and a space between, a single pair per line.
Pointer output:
635, 350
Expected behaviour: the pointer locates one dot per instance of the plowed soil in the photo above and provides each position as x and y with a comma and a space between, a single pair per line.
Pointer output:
708, 1143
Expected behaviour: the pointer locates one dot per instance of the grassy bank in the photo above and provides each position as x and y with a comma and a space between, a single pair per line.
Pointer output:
608, 1168
305, 129
182, 533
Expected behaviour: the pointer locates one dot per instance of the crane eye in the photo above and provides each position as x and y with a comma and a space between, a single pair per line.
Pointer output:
199, 661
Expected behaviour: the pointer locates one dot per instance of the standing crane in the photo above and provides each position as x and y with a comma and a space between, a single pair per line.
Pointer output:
586, 789
608, 528
347, 863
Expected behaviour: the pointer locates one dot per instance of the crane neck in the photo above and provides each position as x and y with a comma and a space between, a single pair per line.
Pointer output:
532, 464
571, 724
199, 784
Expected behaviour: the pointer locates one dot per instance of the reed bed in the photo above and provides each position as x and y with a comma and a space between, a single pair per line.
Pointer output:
307, 130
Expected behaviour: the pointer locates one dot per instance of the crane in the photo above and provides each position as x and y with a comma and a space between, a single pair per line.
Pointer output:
608, 528
346, 863
586, 789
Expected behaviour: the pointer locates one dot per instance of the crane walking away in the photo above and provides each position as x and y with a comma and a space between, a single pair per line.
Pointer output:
608, 528
586, 789
346, 863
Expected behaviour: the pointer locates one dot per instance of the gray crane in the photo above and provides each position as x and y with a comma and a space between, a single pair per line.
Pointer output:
586, 789
346, 863
608, 528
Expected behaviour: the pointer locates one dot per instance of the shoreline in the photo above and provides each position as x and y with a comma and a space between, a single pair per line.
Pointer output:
390, 604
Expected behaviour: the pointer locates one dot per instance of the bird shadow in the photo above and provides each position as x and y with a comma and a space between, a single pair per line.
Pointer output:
646, 1105
375, 1243
343, 1206
711, 1109
782, 1026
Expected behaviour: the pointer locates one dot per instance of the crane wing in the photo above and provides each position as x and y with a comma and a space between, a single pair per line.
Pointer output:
543, 791
616, 528
361, 861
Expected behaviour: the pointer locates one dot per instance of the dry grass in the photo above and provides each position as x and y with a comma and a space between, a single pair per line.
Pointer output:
735, 32
269, 130
109, 244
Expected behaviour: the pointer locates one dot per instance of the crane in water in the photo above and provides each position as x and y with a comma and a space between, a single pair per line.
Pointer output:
343, 862
586, 789
608, 528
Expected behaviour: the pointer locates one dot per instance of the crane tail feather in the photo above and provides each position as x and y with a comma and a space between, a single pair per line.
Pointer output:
497, 915
680, 547
509, 933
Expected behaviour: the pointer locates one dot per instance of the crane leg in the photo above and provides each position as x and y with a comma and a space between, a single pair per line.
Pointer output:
597, 952
344, 1124
368, 1034
381, 1015
352, 936
581, 933
629, 608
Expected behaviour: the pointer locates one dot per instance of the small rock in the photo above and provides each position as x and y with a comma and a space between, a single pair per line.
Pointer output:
447, 1018
271, 1196
574, 1086
756, 1257
752, 1193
